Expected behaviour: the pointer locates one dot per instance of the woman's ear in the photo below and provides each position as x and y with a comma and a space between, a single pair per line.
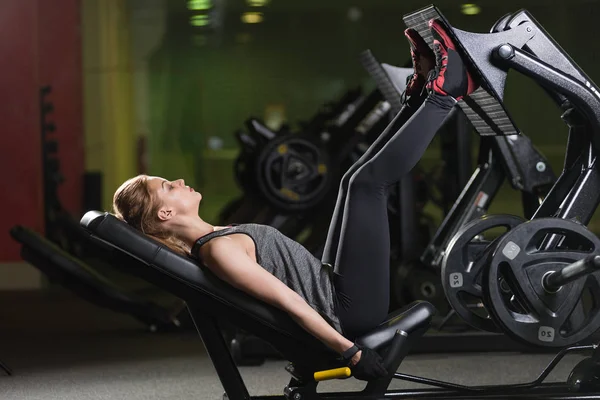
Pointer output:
165, 214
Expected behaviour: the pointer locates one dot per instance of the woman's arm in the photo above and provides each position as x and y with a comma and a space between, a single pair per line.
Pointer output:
230, 263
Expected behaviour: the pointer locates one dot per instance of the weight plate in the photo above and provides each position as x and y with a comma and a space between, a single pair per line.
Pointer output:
463, 261
293, 173
521, 260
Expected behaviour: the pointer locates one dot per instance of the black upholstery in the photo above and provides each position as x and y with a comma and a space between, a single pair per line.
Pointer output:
83, 280
206, 293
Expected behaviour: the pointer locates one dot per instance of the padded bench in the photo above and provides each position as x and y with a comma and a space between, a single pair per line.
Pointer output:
211, 300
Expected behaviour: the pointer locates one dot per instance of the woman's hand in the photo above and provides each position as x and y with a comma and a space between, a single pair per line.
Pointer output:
367, 365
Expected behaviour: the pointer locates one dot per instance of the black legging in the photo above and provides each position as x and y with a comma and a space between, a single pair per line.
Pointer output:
358, 241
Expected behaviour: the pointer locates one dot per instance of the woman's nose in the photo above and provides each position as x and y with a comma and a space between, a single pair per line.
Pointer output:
181, 182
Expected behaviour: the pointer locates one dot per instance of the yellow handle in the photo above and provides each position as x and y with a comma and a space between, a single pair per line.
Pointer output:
337, 373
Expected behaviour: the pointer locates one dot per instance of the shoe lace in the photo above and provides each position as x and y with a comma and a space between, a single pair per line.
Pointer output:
439, 65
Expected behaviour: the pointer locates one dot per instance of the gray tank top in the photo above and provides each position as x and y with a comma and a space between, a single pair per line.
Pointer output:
289, 262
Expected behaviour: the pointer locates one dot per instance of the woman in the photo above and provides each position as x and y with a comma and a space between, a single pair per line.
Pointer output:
347, 293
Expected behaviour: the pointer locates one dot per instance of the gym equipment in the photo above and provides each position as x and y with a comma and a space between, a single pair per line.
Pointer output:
389, 79
258, 135
411, 278
62, 268
291, 178
254, 206
416, 275
555, 307
513, 158
525, 46
462, 266
586, 374
293, 173
522, 44
210, 300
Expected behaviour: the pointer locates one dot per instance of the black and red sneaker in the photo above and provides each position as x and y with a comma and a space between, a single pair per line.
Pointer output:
423, 61
450, 77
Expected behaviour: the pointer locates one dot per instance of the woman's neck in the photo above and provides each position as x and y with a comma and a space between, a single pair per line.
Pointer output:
193, 228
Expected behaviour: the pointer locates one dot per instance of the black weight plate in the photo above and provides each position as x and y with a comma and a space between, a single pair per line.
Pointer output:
293, 173
463, 261
521, 260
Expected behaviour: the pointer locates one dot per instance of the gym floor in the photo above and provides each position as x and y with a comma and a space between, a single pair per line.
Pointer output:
60, 347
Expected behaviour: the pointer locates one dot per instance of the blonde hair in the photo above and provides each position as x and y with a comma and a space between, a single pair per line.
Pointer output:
134, 203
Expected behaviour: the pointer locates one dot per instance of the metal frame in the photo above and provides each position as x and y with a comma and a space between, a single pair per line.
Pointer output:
300, 388
576, 194
456, 144
535, 54
526, 169
499, 158
520, 43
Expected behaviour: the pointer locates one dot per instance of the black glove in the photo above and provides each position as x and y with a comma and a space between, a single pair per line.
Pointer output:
369, 367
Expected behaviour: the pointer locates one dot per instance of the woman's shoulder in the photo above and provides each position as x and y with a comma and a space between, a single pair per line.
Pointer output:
217, 246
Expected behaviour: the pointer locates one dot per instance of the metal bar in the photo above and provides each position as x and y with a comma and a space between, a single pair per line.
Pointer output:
471, 203
583, 198
463, 129
555, 280
559, 191
504, 388
433, 382
396, 351
217, 350
445, 390
580, 203
551, 392
526, 168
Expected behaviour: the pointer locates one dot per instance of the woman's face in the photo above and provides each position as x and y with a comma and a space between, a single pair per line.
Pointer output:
175, 197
